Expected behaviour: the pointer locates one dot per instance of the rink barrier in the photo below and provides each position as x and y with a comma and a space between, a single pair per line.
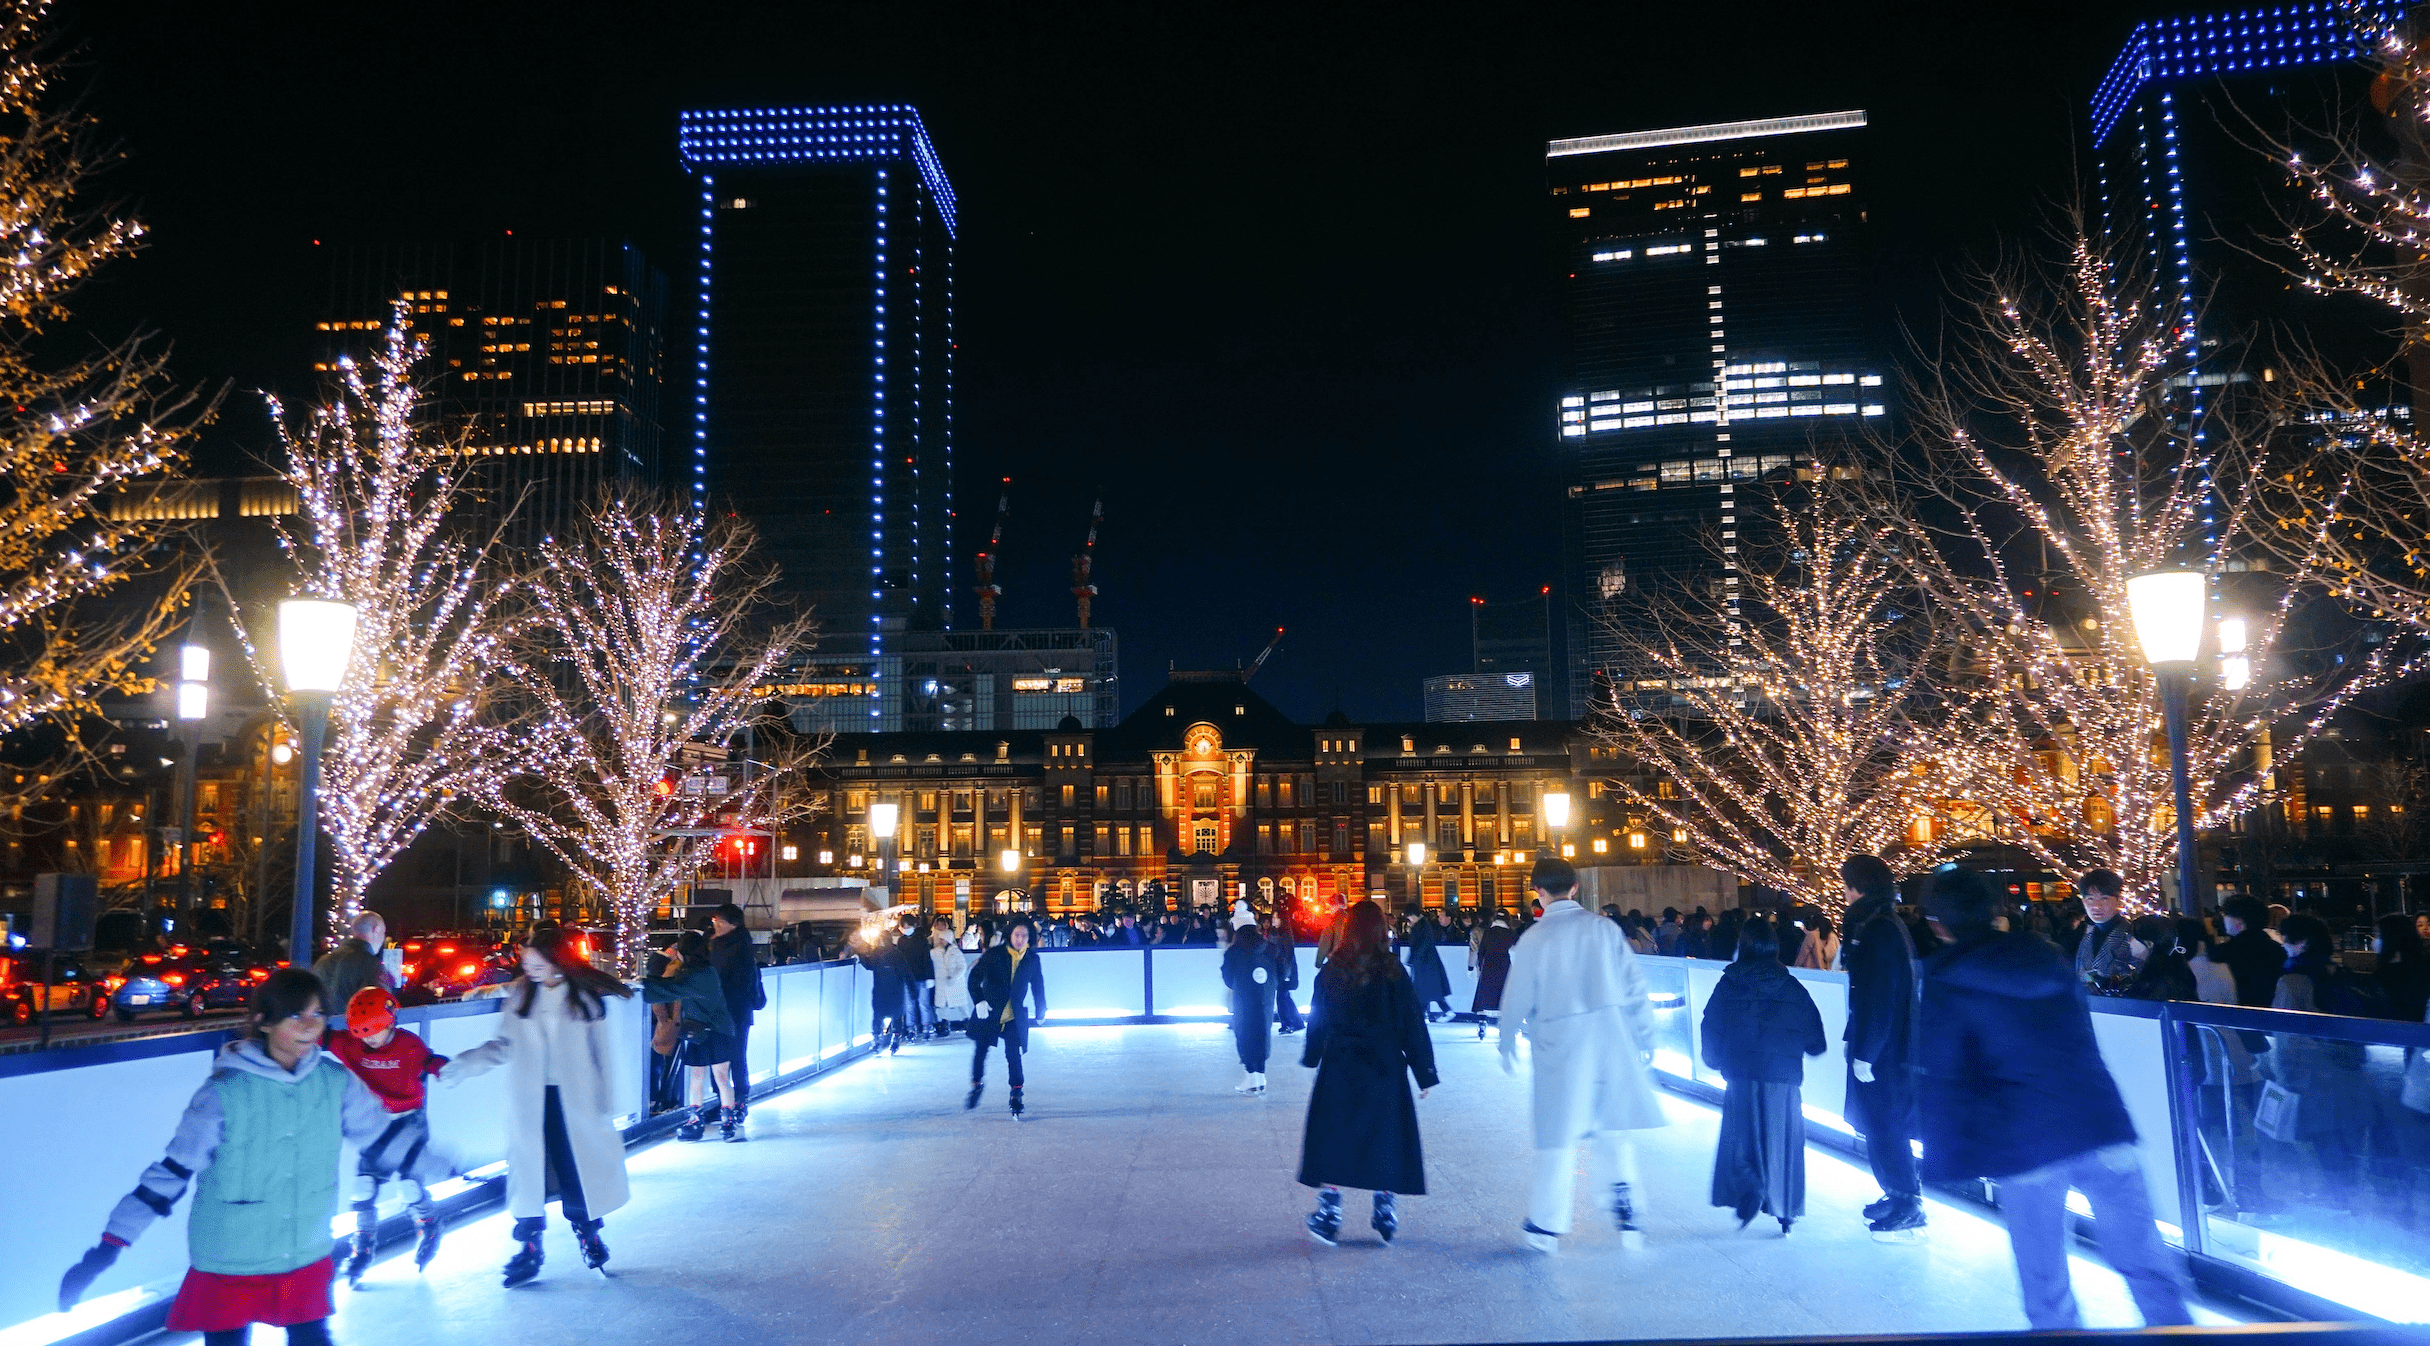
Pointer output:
79, 1123
2147, 1047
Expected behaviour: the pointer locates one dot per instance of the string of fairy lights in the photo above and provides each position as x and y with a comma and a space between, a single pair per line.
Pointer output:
638, 643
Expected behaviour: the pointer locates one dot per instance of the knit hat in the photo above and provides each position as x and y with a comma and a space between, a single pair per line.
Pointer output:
1243, 914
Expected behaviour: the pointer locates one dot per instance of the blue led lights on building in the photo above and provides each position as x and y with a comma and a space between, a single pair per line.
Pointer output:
823, 392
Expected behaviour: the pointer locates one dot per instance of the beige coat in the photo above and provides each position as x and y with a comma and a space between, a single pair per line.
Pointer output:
1577, 992
553, 1046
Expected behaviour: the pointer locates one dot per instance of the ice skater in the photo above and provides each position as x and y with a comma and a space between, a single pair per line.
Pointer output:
259, 1145
1759, 1025
705, 1029
553, 1039
1577, 992
1250, 973
1004, 975
1879, 956
1366, 1038
1489, 958
393, 1064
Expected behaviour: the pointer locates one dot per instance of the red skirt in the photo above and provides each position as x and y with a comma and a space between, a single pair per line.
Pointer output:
210, 1302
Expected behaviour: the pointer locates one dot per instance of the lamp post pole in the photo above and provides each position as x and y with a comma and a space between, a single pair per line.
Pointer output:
2175, 684
312, 714
2167, 608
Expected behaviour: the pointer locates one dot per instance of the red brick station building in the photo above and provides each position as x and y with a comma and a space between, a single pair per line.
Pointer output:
1215, 793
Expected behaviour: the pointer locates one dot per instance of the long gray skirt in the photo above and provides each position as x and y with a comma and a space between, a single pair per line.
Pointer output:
1761, 1163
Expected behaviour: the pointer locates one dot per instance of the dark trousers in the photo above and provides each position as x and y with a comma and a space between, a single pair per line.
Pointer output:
739, 1064
1886, 1111
1012, 1057
1287, 1013
314, 1333
567, 1178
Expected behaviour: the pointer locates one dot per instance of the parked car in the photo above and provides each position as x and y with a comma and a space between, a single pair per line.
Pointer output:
221, 977
441, 967
72, 988
151, 981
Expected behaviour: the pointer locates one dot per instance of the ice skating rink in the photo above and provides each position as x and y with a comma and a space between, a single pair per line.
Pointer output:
1144, 1202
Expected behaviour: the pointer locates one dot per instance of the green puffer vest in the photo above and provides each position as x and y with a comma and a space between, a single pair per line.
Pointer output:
265, 1204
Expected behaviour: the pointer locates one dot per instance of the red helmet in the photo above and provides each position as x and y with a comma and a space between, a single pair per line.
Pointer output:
371, 1012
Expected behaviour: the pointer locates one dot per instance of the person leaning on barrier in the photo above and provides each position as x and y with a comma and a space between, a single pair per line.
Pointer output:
354, 963
2014, 1089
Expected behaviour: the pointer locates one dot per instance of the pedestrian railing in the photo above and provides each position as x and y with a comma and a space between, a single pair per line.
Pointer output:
2301, 1142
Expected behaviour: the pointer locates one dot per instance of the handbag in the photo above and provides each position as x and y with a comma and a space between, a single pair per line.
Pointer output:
665, 1032
2278, 1113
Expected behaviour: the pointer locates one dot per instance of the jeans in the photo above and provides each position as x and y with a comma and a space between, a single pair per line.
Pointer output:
2112, 1180
738, 1066
923, 1016
1553, 1195
561, 1160
1012, 1059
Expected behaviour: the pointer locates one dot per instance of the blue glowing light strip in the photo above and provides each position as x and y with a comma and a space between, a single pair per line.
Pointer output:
802, 135
877, 431
700, 375
2223, 44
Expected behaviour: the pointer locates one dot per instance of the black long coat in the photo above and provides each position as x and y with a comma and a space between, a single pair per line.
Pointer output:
1426, 964
1880, 958
1365, 1042
1760, 1023
1252, 995
1493, 967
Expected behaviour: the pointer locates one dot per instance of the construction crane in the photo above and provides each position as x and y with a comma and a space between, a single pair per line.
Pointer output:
1263, 655
1082, 590
988, 590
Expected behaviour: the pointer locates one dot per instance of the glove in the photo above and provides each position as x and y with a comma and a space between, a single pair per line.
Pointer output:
979, 1010
80, 1277
1864, 1071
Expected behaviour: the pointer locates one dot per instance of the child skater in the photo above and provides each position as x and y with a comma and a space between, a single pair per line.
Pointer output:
393, 1064
259, 1146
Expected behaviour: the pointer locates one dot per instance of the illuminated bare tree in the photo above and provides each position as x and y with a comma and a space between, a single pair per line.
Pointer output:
73, 437
408, 730
648, 638
1773, 733
2056, 469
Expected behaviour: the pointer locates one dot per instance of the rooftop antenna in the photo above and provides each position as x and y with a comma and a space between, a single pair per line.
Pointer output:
988, 590
1082, 590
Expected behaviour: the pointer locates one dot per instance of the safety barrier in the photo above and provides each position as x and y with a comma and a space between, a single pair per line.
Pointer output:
78, 1124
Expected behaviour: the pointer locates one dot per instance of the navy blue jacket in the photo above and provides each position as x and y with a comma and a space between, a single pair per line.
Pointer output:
2012, 1078
1760, 1024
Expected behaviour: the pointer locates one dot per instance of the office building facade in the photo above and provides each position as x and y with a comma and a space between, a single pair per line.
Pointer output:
822, 389
1479, 696
959, 681
545, 360
1718, 343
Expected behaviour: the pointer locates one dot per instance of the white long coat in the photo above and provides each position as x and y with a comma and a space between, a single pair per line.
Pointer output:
553, 1042
953, 975
1577, 991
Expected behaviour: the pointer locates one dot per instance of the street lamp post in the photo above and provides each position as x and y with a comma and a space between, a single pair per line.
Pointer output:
193, 705
883, 818
2167, 607
1556, 820
315, 643
1417, 872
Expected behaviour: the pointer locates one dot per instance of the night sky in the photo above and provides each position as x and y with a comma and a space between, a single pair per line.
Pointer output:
1271, 278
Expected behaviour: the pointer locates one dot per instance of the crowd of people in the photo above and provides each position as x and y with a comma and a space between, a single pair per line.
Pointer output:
1967, 1030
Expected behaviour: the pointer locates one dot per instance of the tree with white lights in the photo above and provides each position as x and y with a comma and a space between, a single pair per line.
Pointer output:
1765, 737
2054, 468
73, 438
379, 527
647, 648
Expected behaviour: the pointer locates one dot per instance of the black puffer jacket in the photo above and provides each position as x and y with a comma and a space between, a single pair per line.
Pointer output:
1761, 1024
2013, 1079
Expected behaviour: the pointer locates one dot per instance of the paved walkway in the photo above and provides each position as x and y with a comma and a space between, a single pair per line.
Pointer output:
1145, 1203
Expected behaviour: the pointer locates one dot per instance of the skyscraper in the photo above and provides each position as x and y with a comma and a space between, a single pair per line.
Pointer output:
545, 358
1717, 339
822, 406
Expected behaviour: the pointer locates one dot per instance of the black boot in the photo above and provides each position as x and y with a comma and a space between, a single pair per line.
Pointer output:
1016, 1103
1386, 1221
594, 1252
1624, 1216
425, 1240
525, 1264
730, 1129
971, 1099
358, 1257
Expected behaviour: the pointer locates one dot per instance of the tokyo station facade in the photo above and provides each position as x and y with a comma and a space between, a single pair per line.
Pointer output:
1213, 792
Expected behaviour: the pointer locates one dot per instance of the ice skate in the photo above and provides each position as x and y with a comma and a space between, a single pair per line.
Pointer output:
525, 1264
358, 1258
1016, 1103
971, 1099
425, 1241
1903, 1223
730, 1130
1624, 1216
594, 1252
1785, 1223
691, 1127
1386, 1221
1875, 1210
1250, 1083
1325, 1222
1542, 1240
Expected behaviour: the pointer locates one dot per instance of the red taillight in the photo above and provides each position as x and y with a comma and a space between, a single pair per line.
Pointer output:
468, 970
447, 948
151, 958
174, 978
258, 974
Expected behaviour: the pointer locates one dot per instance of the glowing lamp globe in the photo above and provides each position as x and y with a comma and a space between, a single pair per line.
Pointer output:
1417, 852
883, 819
1008, 861
2167, 608
315, 643
1556, 809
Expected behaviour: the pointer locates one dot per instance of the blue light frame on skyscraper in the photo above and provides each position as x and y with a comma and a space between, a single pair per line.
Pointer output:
2271, 38
881, 132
